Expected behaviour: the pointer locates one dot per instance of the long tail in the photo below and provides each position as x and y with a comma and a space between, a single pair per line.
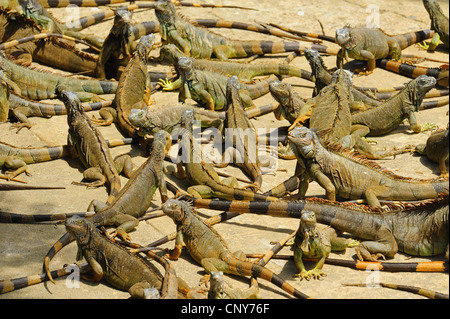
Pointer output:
14, 218
63, 241
407, 39
415, 290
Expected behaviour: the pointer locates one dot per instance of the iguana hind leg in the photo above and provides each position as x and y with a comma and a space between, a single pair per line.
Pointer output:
93, 174
383, 246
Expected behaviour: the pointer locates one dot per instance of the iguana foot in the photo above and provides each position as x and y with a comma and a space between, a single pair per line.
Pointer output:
205, 280
122, 234
316, 274
166, 84
99, 122
303, 275
253, 187
367, 256
444, 175
428, 126
424, 45
20, 126
352, 242
363, 72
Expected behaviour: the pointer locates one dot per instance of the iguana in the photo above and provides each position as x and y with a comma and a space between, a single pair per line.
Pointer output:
111, 262
168, 117
132, 200
90, 146
341, 172
439, 23
200, 43
417, 229
134, 89
244, 71
312, 242
36, 85
117, 48
52, 51
371, 44
208, 88
415, 290
219, 289
241, 138
202, 175
391, 113
436, 149
208, 248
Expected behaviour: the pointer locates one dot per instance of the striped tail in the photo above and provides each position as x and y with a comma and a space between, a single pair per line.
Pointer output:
244, 268
407, 39
271, 47
36, 218
63, 241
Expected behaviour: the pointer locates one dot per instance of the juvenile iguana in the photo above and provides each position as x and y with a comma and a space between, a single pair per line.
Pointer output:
208, 88
244, 71
201, 43
371, 44
439, 23
341, 173
417, 229
202, 175
36, 85
208, 248
312, 242
436, 149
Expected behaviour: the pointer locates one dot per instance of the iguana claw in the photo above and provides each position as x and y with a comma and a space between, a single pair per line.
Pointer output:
166, 84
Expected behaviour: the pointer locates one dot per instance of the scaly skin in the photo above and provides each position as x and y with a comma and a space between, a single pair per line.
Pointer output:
436, 149
357, 177
132, 200
133, 91
390, 114
415, 290
243, 141
416, 229
311, 242
244, 71
371, 44
439, 23
36, 85
219, 289
118, 47
52, 51
208, 248
200, 43
111, 262
208, 88
201, 175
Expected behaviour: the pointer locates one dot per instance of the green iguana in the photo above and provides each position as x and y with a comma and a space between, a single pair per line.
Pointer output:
202, 175
134, 89
36, 85
417, 229
208, 248
208, 88
111, 262
342, 173
436, 149
439, 23
371, 44
201, 43
244, 71
311, 242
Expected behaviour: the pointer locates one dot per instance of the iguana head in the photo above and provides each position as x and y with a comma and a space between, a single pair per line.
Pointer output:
302, 141
185, 66
70, 100
283, 93
343, 38
122, 23
216, 290
145, 121
145, 46
166, 14
187, 120
232, 90
417, 88
343, 77
175, 209
315, 60
80, 228
163, 138
307, 229
171, 52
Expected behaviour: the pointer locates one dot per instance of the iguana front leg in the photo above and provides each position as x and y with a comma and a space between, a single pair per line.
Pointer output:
176, 251
17, 164
179, 42
432, 45
324, 181
371, 62
108, 116
416, 127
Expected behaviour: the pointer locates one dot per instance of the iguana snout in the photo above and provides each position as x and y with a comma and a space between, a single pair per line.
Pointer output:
303, 140
342, 36
174, 209
79, 228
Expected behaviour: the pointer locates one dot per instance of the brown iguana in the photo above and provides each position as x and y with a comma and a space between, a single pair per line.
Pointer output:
312, 242
202, 175
417, 229
208, 88
208, 248
36, 85
90, 146
219, 289
341, 172
111, 262
371, 44
244, 71
240, 137
52, 51
201, 43
439, 23
436, 149
117, 48
133, 199
134, 89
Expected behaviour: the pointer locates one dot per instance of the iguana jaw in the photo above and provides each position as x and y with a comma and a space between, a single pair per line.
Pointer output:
422, 85
77, 227
342, 37
303, 140
173, 209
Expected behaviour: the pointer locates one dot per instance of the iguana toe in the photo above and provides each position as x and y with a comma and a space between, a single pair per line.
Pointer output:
303, 275
316, 274
428, 126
